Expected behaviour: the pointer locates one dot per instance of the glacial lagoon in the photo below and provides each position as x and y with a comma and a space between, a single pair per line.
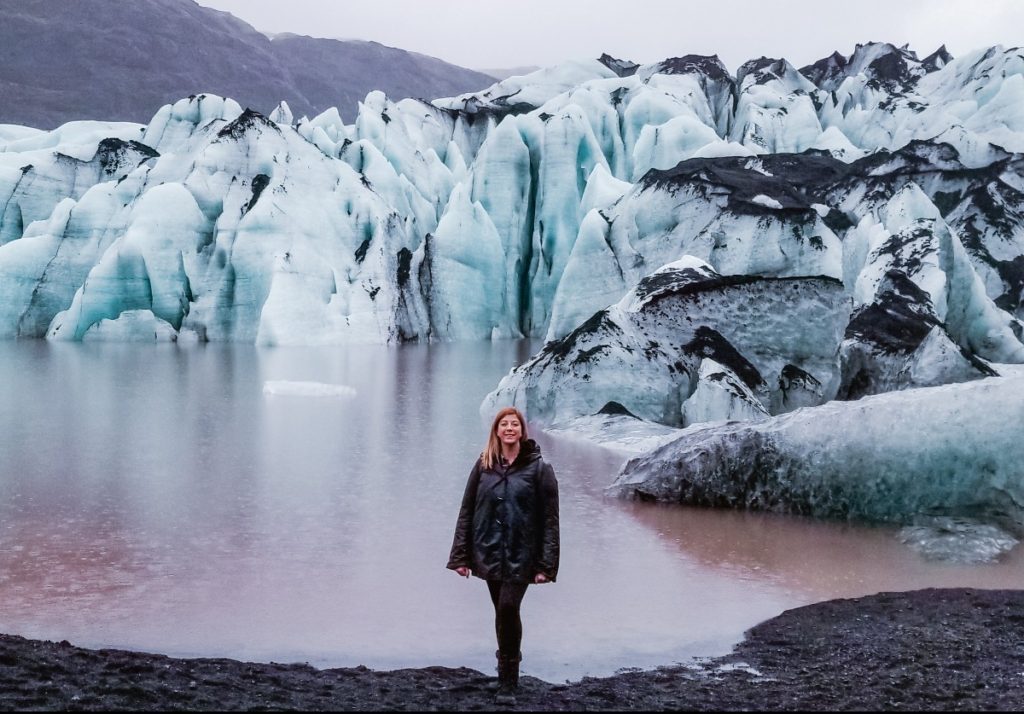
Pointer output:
297, 505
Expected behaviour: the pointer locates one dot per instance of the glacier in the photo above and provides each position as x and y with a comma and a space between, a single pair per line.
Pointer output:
523, 209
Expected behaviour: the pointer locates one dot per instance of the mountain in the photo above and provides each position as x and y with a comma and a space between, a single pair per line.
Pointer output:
110, 60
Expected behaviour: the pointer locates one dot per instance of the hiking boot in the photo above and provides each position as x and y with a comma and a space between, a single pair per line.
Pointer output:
508, 679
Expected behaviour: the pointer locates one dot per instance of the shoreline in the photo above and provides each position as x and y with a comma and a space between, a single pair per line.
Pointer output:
942, 649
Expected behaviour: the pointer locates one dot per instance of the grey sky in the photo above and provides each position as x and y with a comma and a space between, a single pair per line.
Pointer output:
496, 34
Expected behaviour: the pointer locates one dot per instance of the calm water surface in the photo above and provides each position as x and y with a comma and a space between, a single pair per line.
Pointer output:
154, 497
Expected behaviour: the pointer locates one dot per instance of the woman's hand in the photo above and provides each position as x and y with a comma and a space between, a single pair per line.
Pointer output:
463, 571
540, 578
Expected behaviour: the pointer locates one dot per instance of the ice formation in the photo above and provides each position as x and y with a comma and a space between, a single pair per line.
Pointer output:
615, 429
525, 208
688, 344
932, 452
921, 312
957, 539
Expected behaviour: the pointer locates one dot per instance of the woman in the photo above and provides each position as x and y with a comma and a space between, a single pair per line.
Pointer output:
507, 533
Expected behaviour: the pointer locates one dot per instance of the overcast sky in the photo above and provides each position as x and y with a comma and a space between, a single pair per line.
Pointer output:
488, 34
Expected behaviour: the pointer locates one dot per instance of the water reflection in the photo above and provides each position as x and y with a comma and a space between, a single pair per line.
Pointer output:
153, 497
817, 560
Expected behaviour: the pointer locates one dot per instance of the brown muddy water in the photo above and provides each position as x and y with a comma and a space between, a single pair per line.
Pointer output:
297, 505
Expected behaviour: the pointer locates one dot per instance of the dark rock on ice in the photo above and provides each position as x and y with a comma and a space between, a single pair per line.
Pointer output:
708, 342
899, 319
623, 68
117, 156
916, 157
827, 72
616, 409
708, 65
763, 70
796, 388
250, 121
937, 59
259, 182
795, 175
897, 342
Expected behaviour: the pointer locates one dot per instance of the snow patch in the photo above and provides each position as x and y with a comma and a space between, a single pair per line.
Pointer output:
766, 201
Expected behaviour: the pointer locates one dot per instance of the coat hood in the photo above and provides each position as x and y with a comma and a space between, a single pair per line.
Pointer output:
529, 450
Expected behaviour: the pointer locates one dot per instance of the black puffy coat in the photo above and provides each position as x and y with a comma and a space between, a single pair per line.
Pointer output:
508, 524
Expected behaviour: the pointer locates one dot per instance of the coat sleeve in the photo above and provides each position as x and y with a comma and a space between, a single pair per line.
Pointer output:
548, 564
461, 555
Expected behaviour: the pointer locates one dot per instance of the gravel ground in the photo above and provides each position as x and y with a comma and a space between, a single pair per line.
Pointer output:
926, 649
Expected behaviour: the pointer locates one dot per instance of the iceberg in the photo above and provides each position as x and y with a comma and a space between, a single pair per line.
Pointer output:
959, 540
947, 451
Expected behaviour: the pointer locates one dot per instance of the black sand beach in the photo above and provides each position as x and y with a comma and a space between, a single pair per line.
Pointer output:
950, 649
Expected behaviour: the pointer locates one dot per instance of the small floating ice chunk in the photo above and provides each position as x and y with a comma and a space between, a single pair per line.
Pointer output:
958, 540
738, 667
280, 387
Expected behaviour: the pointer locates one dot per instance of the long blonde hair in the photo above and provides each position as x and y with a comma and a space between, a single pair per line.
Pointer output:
490, 454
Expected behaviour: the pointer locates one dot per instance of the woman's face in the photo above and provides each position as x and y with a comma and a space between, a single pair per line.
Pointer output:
510, 431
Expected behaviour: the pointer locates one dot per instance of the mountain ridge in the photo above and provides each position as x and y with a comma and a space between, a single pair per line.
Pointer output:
111, 61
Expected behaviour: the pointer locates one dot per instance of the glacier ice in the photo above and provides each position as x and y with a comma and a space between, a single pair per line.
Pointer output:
774, 110
897, 341
615, 429
466, 256
139, 325
956, 539
721, 394
143, 269
919, 316
946, 451
588, 176
686, 332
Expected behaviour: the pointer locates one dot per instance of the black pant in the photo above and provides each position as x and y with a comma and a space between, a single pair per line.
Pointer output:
507, 596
